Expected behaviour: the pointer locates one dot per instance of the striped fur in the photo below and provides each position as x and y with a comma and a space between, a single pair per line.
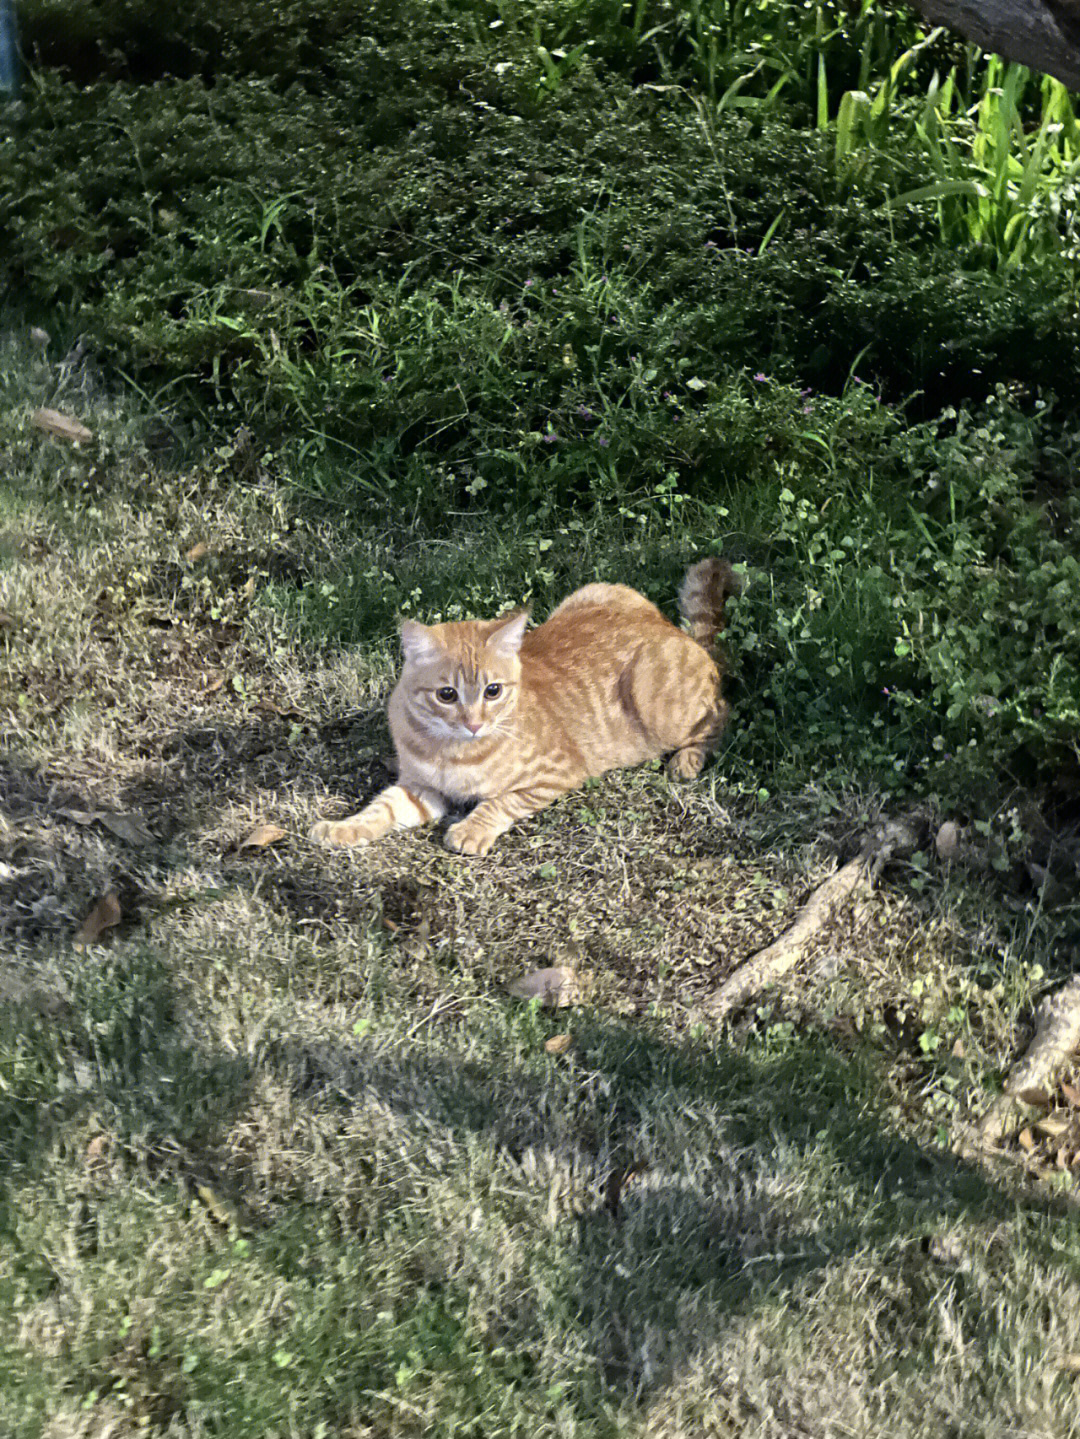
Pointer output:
703, 596
486, 712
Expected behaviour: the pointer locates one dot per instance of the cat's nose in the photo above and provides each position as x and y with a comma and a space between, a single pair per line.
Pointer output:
473, 726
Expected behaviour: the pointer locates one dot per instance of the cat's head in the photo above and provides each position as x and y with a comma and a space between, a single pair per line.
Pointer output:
460, 681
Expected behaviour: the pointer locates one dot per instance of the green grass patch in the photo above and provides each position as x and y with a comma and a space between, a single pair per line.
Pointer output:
280, 1155
433, 310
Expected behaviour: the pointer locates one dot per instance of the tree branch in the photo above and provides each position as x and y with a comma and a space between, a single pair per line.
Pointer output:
1057, 1035
1042, 34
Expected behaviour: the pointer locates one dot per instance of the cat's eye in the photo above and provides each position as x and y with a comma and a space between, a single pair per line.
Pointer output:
446, 695
493, 692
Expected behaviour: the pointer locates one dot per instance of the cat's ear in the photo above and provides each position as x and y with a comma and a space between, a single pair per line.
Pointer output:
418, 643
509, 631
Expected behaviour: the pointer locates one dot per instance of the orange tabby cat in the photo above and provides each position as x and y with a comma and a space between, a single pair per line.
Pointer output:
485, 711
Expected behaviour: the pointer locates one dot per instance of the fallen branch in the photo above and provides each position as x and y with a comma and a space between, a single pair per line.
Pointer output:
856, 878
1057, 1035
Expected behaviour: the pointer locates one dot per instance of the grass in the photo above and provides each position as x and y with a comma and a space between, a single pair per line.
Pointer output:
379, 310
622, 317
279, 1155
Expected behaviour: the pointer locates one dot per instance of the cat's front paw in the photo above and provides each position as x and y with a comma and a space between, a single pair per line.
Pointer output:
341, 833
466, 838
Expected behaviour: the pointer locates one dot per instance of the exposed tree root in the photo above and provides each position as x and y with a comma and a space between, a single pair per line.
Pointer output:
1057, 1035
763, 969
856, 879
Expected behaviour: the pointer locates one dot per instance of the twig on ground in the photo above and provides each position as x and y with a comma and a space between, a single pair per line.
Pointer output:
857, 877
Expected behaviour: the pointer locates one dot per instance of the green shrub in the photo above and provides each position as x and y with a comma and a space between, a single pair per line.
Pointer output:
284, 254
922, 622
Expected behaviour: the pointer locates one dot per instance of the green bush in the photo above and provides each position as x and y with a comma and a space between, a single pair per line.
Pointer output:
324, 265
922, 621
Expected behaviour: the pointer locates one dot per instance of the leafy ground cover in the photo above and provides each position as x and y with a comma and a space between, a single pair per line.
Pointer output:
379, 309
687, 314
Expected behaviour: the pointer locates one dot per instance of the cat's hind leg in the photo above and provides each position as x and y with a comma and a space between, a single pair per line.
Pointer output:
395, 808
674, 695
688, 760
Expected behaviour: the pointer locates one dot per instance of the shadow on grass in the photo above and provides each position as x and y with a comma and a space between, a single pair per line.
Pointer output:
798, 1169
798, 1164
645, 1230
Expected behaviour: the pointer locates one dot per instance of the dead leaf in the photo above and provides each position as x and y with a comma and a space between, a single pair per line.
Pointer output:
555, 988
268, 706
95, 1150
1026, 1140
1053, 1125
262, 835
1068, 1363
1072, 1094
220, 1209
558, 1043
248, 589
197, 552
948, 840
958, 1049
1035, 1096
62, 426
103, 916
131, 828
1051, 890
618, 1179
78, 816
214, 681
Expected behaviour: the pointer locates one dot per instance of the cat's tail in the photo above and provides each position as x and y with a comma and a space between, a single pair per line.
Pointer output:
703, 597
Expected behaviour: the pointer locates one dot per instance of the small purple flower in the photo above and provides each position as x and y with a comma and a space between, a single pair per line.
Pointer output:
807, 409
667, 394
710, 244
529, 284
803, 393
388, 375
760, 378
549, 438
885, 690
604, 441
585, 412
